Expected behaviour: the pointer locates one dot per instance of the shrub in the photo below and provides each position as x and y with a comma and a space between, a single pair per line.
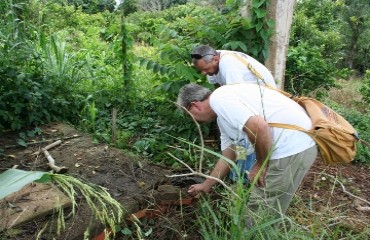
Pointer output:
307, 70
365, 88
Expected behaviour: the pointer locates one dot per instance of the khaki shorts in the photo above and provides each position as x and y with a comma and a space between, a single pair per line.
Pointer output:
283, 178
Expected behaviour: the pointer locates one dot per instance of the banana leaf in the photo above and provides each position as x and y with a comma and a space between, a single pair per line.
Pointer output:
13, 180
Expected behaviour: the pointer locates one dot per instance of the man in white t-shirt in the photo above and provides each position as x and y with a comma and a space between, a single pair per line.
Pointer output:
243, 112
224, 67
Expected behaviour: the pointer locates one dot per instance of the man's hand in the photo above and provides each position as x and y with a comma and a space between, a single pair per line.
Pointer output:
253, 172
199, 188
219, 171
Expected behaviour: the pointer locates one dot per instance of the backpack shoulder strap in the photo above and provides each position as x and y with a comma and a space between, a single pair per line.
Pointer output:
287, 126
249, 66
257, 74
254, 71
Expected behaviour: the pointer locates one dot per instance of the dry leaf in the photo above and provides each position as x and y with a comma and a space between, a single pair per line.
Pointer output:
141, 184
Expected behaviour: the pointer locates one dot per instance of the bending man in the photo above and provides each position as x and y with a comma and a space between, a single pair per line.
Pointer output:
243, 112
224, 67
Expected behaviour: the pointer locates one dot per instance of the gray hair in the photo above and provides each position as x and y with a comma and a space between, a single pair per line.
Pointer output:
192, 92
204, 50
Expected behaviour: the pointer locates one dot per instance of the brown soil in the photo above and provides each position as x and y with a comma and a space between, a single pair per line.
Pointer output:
329, 195
130, 180
335, 197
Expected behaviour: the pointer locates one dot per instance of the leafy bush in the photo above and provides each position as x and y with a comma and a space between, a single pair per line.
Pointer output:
44, 77
365, 88
355, 19
307, 69
341, 28
23, 97
315, 47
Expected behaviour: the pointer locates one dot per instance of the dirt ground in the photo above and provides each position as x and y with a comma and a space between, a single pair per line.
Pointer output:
336, 195
131, 181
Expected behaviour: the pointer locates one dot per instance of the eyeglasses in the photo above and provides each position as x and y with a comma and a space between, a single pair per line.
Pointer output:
199, 56
188, 106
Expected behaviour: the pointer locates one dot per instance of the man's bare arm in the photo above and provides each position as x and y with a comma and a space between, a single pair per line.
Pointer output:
259, 134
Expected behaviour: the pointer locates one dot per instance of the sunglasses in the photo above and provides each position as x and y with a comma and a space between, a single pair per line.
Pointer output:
199, 56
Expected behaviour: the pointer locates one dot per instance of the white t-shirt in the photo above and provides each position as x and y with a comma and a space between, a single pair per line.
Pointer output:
234, 104
232, 70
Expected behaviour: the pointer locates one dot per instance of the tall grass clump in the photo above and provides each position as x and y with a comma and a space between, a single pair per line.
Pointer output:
225, 215
62, 77
229, 218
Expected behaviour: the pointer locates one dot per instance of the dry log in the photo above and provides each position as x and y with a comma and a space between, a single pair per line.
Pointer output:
54, 144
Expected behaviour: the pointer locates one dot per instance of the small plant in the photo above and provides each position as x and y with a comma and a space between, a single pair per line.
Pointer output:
22, 140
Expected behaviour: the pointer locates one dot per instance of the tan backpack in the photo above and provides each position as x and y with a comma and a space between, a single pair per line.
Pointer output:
335, 136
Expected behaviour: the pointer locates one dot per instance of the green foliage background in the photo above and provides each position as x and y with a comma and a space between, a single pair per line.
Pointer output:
68, 61
77, 60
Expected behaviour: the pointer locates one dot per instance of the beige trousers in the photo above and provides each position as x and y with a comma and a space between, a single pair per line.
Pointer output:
283, 178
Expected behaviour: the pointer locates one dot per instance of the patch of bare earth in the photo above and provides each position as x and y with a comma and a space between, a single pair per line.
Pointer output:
141, 188
330, 196
334, 197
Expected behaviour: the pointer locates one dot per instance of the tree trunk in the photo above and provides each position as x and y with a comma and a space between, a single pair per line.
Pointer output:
281, 11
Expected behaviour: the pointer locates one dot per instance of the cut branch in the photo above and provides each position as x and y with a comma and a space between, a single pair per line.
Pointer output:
51, 159
54, 144
52, 163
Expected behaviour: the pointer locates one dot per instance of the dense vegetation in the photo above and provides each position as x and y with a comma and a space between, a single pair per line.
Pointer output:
78, 61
